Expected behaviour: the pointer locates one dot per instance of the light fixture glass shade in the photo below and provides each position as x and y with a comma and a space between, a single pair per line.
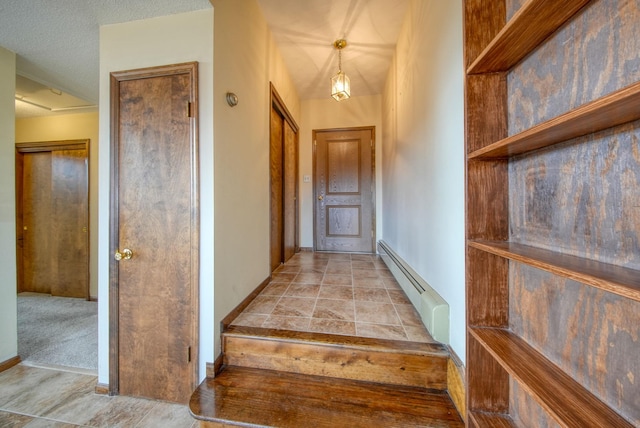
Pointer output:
340, 86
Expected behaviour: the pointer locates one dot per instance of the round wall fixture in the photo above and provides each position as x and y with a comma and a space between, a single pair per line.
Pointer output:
232, 99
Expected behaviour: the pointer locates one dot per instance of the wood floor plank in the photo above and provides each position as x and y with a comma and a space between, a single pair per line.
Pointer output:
270, 398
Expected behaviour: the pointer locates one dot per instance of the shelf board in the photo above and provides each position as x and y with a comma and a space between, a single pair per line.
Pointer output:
531, 25
618, 280
569, 403
611, 110
494, 420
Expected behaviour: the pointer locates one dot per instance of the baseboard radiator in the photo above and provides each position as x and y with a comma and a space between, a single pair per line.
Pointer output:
433, 309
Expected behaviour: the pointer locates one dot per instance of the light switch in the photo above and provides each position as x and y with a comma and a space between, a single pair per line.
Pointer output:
306, 178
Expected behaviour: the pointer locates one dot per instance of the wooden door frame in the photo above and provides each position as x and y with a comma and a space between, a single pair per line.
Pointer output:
190, 68
38, 147
276, 103
373, 179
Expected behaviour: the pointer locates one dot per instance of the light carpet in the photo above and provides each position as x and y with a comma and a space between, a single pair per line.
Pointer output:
58, 331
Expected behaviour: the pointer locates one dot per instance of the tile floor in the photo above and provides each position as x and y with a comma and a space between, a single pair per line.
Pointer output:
338, 293
40, 397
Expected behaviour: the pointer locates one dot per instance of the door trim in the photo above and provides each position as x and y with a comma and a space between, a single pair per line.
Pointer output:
49, 146
373, 179
190, 68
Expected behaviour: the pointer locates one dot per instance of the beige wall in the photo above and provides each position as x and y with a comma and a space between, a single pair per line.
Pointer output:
72, 127
8, 300
423, 153
245, 61
159, 41
327, 113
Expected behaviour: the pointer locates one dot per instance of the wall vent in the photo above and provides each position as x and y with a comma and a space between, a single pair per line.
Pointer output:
433, 309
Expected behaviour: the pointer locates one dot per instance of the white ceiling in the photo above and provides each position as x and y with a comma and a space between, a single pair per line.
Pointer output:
57, 41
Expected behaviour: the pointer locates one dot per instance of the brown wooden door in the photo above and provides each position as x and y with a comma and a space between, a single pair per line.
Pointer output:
344, 190
53, 218
155, 215
284, 183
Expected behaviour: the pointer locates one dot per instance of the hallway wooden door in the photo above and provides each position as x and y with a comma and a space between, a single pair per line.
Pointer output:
154, 233
344, 190
53, 218
283, 155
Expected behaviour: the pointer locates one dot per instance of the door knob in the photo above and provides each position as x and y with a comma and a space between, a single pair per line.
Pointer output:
320, 197
126, 254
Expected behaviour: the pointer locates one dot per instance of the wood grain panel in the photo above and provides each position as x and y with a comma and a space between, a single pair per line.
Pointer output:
491, 420
70, 216
485, 117
156, 215
249, 397
290, 195
487, 383
490, 291
525, 411
483, 20
546, 382
343, 166
39, 267
276, 165
530, 25
588, 333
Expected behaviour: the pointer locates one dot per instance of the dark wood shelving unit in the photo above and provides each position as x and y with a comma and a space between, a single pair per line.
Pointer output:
614, 279
499, 361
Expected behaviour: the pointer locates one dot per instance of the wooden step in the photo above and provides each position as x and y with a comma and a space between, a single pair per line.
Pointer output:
253, 397
383, 361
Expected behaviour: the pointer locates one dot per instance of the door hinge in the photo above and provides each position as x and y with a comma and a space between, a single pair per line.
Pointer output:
189, 354
189, 109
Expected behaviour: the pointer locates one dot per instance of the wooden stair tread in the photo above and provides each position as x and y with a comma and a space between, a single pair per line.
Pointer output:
249, 397
491, 420
382, 345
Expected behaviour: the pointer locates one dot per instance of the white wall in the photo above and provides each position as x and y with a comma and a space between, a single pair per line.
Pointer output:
327, 113
423, 153
245, 61
72, 127
8, 300
160, 41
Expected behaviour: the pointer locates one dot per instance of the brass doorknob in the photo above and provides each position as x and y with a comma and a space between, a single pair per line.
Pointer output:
126, 254
320, 197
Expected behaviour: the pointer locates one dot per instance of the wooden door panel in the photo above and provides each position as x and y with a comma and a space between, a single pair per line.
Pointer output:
277, 179
70, 210
38, 260
290, 174
157, 220
344, 190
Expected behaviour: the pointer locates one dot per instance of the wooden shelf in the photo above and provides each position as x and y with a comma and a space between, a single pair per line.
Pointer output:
494, 420
611, 110
531, 25
614, 279
568, 402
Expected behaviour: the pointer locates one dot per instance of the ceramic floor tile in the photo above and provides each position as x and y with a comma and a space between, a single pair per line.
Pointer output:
47, 423
275, 289
379, 313
340, 256
418, 334
79, 408
250, 320
313, 269
361, 257
310, 278
371, 295
398, 297
122, 412
286, 268
283, 276
336, 292
408, 315
302, 290
339, 269
362, 265
294, 307
368, 282
365, 273
20, 378
342, 310
385, 273
393, 332
167, 415
13, 420
391, 284
262, 305
332, 326
287, 323
330, 279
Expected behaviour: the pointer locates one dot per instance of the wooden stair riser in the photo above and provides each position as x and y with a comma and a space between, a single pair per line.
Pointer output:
338, 361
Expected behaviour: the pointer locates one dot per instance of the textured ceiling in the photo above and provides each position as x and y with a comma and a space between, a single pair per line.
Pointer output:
57, 41
306, 29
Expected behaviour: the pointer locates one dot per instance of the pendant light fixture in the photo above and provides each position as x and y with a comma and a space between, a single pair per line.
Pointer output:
340, 83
